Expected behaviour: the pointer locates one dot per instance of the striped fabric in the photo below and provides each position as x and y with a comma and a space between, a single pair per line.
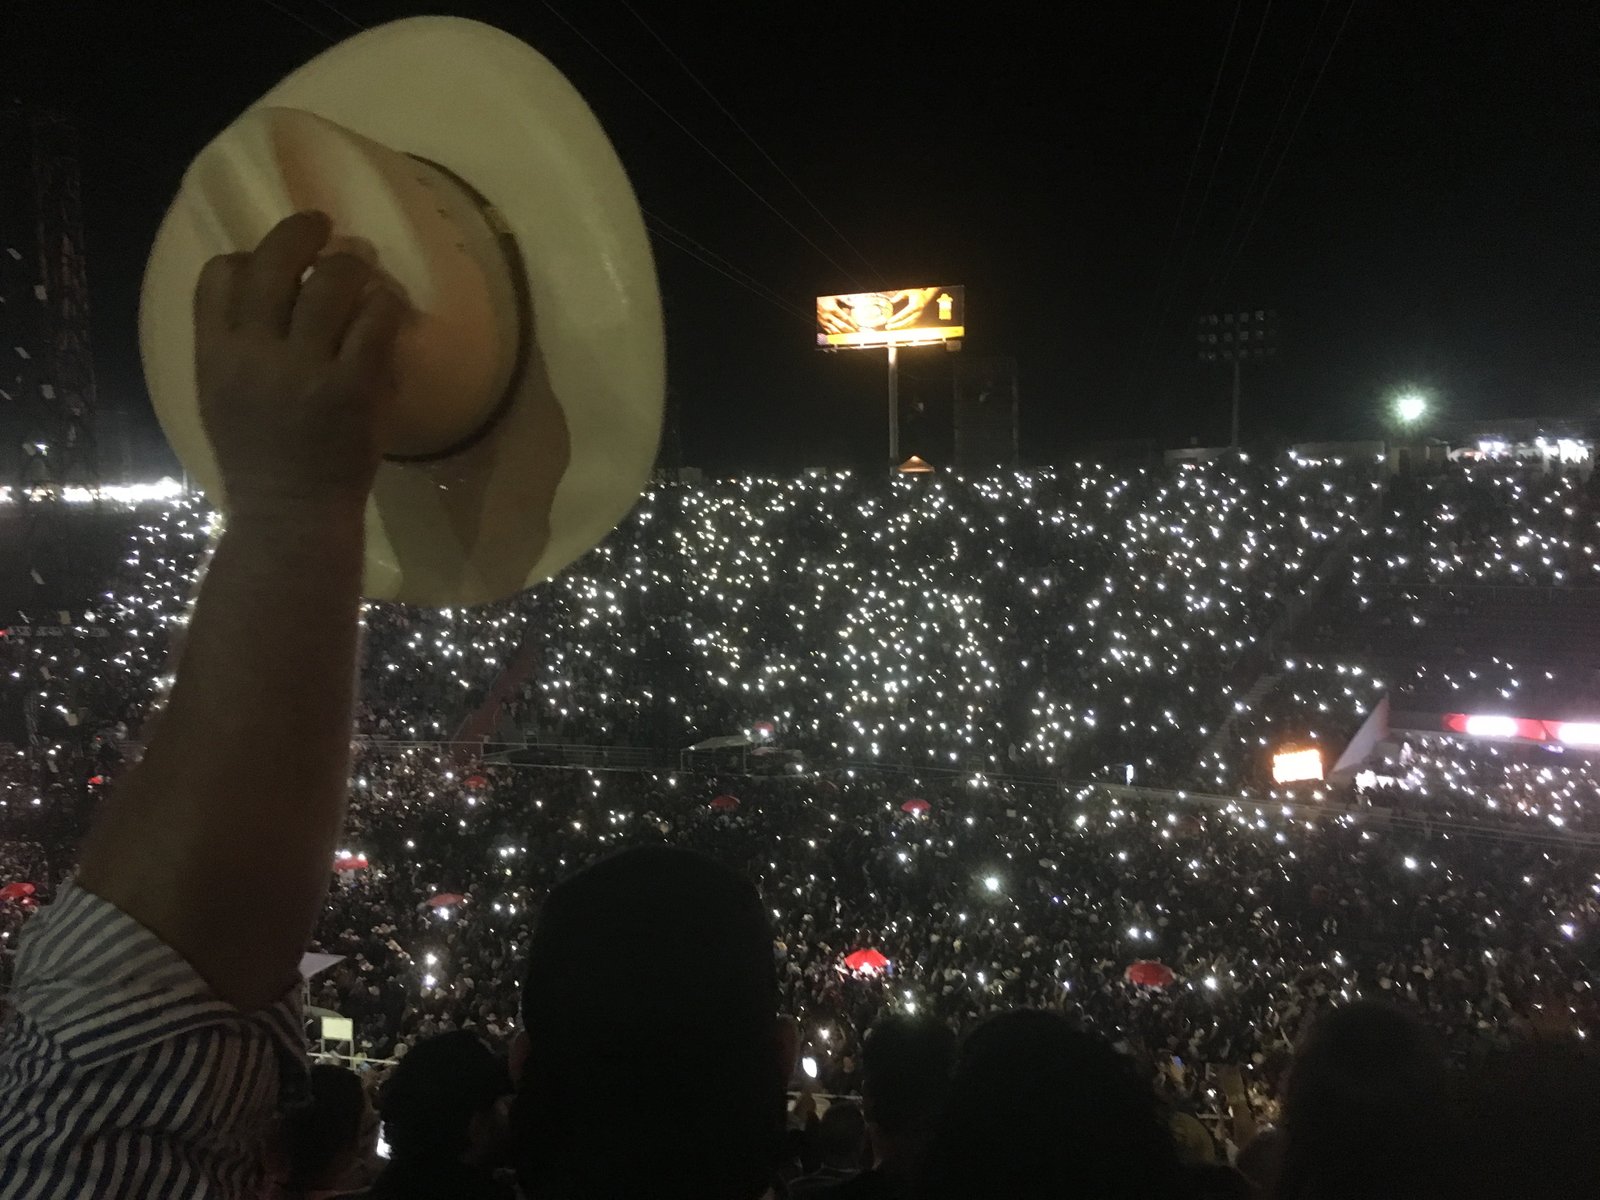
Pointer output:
121, 1075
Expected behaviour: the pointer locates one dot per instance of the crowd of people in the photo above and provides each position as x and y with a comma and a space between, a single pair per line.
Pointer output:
1055, 622
960, 670
1047, 622
982, 896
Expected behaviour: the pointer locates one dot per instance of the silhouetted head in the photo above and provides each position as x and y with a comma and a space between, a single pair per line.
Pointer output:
1368, 1112
1215, 1181
440, 1106
1040, 1111
842, 1135
650, 979
332, 1132
905, 1072
1534, 1114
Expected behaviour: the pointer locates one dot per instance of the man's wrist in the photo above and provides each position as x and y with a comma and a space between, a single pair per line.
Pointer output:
302, 514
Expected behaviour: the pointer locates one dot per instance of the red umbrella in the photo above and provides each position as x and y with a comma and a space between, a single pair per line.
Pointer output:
96, 780
917, 808
1145, 973
350, 862
476, 781
725, 803
445, 899
866, 960
17, 891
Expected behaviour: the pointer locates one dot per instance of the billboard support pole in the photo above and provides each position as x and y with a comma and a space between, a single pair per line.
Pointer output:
894, 408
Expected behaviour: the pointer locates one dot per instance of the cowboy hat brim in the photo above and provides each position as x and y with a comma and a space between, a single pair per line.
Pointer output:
575, 445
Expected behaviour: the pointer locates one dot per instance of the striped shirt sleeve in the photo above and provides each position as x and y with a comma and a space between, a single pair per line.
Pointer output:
121, 1075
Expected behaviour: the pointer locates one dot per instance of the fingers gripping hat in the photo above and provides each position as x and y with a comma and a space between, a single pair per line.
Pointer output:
531, 380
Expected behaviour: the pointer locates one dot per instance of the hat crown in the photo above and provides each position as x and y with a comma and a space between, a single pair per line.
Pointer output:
428, 234
467, 168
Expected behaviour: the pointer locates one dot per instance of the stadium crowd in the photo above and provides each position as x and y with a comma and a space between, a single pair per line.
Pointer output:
941, 658
982, 896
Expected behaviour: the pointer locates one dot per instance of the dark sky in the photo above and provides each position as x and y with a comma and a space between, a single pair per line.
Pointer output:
1433, 220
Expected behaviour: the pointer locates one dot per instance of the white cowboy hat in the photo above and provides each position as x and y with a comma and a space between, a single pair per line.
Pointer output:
531, 381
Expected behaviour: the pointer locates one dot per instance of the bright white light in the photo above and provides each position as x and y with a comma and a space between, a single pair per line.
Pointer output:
1503, 727
1411, 863
130, 494
1211, 983
1410, 407
1571, 451
991, 883
809, 1066
1579, 733
1291, 766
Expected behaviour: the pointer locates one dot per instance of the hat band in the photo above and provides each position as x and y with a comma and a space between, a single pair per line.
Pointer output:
517, 272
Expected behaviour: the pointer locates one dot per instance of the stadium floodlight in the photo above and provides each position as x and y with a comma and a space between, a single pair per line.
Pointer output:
1236, 338
1490, 726
1578, 733
1410, 407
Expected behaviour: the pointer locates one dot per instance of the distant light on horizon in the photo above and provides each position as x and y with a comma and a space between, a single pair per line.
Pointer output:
130, 494
1410, 407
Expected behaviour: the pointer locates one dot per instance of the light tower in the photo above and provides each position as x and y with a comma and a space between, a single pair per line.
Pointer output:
1237, 338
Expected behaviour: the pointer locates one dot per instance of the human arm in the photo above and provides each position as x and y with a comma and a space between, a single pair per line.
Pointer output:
220, 841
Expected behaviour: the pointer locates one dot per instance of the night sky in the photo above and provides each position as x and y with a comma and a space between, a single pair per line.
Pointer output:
1431, 222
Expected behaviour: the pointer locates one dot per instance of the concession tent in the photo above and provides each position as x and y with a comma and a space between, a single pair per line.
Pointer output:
1149, 974
866, 960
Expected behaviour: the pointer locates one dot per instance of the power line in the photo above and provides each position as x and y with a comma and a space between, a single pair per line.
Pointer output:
1211, 176
340, 13
1232, 113
1272, 138
1284, 154
687, 132
662, 229
712, 259
1153, 331
672, 229
294, 16
755, 289
723, 108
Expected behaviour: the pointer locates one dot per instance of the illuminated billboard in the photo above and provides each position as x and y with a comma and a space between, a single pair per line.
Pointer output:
923, 316
1296, 766
1525, 729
